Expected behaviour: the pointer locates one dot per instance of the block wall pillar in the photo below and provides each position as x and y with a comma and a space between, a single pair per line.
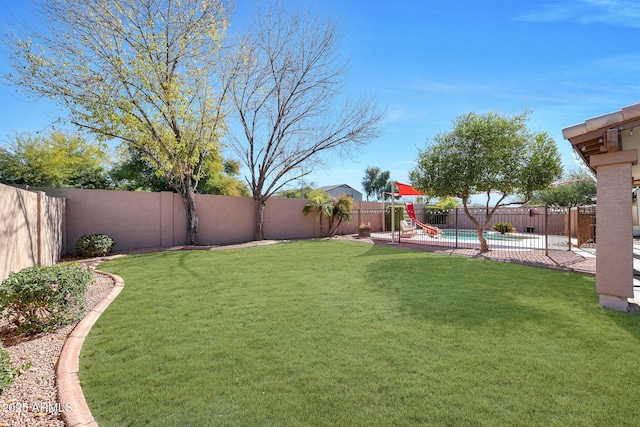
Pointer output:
166, 219
614, 233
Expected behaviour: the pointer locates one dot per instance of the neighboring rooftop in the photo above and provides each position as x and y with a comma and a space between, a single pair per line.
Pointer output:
336, 190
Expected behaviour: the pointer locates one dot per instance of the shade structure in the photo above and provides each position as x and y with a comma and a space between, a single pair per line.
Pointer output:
407, 190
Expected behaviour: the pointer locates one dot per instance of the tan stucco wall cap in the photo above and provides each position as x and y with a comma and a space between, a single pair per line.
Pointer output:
627, 156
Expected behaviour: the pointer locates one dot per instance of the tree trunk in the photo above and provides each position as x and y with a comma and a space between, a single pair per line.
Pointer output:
258, 232
189, 200
484, 246
334, 230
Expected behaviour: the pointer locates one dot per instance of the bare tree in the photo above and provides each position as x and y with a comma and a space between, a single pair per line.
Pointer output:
287, 80
139, 71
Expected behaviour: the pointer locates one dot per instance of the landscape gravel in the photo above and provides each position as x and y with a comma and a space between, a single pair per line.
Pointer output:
32, 399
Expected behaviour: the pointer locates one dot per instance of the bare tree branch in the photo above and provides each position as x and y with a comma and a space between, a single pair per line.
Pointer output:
288, 81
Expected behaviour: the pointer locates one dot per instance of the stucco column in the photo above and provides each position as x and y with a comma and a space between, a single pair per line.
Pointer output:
614, 261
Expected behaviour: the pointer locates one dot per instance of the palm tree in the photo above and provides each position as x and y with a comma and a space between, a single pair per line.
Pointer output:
321, 205
335, 210
341, 211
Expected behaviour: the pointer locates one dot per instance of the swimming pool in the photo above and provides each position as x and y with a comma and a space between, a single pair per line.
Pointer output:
472, 236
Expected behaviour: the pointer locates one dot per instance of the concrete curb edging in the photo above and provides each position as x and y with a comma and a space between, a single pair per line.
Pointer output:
69, 390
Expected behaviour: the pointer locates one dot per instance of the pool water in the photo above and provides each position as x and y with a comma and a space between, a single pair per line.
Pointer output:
472, 236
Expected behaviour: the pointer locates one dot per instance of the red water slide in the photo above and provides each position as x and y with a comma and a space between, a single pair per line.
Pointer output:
412, 214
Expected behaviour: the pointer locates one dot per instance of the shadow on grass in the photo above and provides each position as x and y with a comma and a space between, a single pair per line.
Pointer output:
629, 322
175, 262
473, 293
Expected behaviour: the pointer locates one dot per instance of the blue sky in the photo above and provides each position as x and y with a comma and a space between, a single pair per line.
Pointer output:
428, 62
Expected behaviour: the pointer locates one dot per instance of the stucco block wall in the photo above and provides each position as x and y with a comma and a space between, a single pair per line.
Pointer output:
284, 219
52, 229
132, 219
221, 219
364, 213
147, 220
31, 229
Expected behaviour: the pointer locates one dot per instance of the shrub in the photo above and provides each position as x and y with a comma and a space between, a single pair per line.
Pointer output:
7, 372
91, 245
39, 299
397, 216
503, 227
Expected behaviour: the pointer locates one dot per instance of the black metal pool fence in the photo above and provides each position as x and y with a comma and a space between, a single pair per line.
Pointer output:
540, 229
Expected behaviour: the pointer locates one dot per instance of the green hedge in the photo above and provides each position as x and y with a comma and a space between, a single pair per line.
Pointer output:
399, 215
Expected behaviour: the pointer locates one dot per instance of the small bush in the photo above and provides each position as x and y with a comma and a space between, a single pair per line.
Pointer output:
7, 372
39, 299
503, 227
92, 245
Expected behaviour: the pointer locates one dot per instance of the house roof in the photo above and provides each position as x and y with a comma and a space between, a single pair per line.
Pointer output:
333, 187
589, 138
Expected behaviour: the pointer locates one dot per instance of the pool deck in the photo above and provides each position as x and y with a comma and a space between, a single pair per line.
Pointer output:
578, 260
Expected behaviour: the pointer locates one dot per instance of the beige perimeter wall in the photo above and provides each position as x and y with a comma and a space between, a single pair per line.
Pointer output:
147, 220
31, 229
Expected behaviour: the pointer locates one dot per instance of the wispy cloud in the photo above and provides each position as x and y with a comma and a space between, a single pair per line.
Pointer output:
395, 114
624, 13
419, 84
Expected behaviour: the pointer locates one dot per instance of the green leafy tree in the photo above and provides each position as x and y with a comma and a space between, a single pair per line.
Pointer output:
447, 203
487, 154
221, 177
386, 191
134, 173
288, 80
56, 160
376, 182
217, 176
383, 184
138, 71
369, 180
297, 193
578, 189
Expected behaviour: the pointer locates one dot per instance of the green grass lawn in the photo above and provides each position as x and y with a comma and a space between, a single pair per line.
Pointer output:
326, 333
